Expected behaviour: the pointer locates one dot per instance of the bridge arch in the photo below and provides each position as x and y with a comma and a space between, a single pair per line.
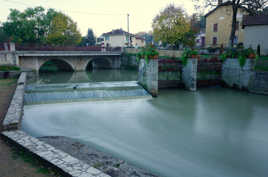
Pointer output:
56, 64
99, 63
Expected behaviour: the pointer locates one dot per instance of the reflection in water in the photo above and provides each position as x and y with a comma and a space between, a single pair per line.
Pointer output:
90, 76
213, 132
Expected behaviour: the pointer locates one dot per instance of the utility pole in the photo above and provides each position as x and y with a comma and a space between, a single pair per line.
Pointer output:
128, 29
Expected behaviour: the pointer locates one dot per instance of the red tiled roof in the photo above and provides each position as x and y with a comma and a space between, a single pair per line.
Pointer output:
116, 32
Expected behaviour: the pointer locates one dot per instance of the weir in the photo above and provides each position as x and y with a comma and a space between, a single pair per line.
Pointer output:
58, 93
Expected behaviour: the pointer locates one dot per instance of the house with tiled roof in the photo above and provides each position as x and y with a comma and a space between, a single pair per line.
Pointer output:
256, 29
121, 38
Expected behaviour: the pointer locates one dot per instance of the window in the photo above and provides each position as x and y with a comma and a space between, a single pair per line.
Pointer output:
215, 27
214, 40
107, 38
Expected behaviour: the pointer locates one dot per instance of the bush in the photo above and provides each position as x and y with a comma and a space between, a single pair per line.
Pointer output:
149, 52
9, 68
188, 53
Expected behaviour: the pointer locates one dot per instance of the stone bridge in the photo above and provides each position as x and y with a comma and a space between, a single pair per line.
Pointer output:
77, 60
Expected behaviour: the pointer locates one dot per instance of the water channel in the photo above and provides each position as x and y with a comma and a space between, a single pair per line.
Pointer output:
214, 132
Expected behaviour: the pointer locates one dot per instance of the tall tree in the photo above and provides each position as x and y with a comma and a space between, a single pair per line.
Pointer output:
30, 26
3, 35
89, 39
253, 7
63, 31
171, 25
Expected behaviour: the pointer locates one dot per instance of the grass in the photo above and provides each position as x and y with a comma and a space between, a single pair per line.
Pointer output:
9, 68
261, 68
264, 57
27, 157
7, 82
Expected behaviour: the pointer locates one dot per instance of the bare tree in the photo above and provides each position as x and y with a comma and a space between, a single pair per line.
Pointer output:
253, 7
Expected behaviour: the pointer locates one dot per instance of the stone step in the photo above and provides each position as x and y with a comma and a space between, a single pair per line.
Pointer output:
56, 157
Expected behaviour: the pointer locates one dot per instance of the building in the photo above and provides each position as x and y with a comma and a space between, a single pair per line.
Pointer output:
219, 25
117, 38
120, 38
137, 41
255, 30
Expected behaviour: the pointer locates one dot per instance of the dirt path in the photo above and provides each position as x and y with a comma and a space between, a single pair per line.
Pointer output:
15, 163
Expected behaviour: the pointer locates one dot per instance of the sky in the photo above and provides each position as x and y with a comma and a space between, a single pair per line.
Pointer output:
102, 15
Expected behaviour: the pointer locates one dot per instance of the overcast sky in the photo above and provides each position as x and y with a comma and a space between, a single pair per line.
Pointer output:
102, 15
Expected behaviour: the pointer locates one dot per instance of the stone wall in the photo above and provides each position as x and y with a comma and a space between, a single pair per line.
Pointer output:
259, 83
148, 76
169, 53
8, 58
189, 74
15, 110
129, 61
236, 76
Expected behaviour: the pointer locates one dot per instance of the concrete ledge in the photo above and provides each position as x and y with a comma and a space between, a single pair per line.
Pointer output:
15, 110
58, 158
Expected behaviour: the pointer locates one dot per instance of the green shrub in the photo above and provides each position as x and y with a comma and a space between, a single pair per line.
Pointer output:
188, 53
9, 68
148, 52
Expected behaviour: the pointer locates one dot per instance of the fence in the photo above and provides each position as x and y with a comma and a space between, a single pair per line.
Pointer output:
34, 47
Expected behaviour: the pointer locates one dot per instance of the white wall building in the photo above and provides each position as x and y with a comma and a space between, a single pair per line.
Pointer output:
121, 38
256, 31
116, 38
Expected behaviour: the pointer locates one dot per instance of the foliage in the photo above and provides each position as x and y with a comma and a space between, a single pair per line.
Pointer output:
3, 35
88, 40
253, 7
188, 53
9, 68
241, 54
63, 31
148, 52
170, 26
30, 26
35, 25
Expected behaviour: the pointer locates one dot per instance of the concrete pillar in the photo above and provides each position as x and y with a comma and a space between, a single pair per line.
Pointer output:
148, 76
236, 76
6, 46
189, 74
116, 63
12, 47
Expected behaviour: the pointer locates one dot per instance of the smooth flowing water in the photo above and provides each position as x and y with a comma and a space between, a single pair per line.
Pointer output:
85, 77
214, 132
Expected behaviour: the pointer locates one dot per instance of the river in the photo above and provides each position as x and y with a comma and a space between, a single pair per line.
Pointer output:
214, 132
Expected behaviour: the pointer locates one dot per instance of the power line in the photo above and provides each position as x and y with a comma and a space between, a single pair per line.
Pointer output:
71, 11
16, 2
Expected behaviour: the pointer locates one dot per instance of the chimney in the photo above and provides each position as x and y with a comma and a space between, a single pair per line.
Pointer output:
219, 2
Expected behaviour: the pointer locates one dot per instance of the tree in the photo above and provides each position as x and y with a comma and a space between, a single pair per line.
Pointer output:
253, 7
171, 26
3, 35
38, 26
30, 26
90, 39
63, 31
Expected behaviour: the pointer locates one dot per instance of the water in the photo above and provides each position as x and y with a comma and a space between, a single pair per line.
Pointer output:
214, 132
85, 77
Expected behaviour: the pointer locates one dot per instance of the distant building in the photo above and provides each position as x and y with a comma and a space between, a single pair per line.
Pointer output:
255, 30
200, 39
137, 41
117, 38
219, 25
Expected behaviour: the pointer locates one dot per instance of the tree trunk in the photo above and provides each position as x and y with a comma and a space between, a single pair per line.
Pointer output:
234, 21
